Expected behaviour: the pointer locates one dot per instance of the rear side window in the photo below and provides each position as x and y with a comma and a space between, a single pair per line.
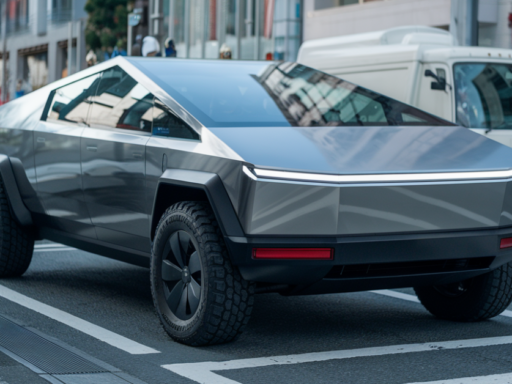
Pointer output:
121, 102
166, 123
71, 102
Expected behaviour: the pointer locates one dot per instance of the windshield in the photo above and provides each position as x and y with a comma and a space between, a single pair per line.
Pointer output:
245, 94
484, 95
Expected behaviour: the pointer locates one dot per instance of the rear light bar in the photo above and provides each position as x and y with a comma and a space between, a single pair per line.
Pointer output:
293, 253
506, 243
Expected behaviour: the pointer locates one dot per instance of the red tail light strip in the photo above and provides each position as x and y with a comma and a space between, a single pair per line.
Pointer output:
506, 242
293, 253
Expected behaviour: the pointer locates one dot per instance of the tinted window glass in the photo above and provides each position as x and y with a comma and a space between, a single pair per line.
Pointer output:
166, 123
120, 102
243, 94
484, 95
71, 102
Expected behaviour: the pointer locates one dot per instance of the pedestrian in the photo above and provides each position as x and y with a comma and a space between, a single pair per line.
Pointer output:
225, 52
150, 46
137, 47
19, 89
170, 49
91, 58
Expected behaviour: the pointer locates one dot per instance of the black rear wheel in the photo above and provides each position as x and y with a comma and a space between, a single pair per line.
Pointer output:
479, 298
200, 297
16, 242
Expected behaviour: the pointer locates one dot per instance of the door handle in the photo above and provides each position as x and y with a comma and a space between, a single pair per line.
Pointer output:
41, 139
92, 148
137, 155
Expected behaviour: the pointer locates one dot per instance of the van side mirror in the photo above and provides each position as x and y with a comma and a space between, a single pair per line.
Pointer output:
439, 84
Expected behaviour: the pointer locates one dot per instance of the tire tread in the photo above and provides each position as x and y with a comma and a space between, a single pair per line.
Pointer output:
16, 242
233, 296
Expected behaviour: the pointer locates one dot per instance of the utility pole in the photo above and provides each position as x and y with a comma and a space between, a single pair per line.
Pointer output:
472, 23
4, 50
464, 21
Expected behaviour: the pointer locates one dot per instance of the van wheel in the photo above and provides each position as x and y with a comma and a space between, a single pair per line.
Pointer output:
200, 297
16, 242
475, 299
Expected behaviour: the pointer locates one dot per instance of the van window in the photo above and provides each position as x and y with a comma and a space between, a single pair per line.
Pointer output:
166, 123
71, 102
120, 102
483, 93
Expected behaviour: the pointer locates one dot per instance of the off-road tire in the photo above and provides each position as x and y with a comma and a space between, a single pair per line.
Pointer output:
226, 300
16, 242
486, 296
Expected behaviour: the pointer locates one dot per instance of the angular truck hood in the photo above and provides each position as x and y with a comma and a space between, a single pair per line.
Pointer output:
367, 150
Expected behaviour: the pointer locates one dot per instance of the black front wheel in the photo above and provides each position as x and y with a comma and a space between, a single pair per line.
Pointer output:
200, 297
479, 298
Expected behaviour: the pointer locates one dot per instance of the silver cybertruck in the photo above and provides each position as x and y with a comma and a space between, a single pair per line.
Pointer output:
231, 178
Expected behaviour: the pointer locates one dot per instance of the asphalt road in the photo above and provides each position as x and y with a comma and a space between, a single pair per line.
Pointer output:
101, 310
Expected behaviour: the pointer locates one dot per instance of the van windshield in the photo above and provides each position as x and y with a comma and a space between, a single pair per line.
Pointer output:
483, 92
263, 94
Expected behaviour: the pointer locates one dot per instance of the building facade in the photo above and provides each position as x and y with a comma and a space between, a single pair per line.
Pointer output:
329, 18
38, 36
250, 29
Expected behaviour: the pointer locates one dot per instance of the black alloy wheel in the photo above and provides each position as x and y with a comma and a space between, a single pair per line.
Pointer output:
199, 296
181, 273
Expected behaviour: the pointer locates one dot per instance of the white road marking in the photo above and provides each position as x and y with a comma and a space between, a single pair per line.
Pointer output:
49, 245
203, 372
60, 249
83, 326
397, 295
405, 296
52, 247
505, 378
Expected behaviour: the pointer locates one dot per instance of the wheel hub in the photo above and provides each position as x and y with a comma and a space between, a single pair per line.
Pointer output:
185, 275
181, 275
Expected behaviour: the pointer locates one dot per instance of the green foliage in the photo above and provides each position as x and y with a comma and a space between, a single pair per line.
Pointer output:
107, 24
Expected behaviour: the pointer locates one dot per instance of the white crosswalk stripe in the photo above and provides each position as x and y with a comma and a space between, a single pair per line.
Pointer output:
505, 378
204, 372
407, 297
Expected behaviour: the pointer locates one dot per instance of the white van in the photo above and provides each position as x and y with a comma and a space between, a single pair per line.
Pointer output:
425, 67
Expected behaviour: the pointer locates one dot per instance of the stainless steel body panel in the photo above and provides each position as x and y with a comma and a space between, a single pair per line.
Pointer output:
59, 176
113, 166
366, 150
283, 208
18, 119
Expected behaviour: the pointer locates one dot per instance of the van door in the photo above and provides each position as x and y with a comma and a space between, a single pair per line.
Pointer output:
435, 101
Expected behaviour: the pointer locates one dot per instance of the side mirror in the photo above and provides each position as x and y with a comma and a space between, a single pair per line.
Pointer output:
439, 84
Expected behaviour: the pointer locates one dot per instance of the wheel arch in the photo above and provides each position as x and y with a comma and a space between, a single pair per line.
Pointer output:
177, 185
20, 212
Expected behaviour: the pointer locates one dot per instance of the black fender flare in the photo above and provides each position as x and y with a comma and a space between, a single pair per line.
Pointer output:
20, 212
212, 186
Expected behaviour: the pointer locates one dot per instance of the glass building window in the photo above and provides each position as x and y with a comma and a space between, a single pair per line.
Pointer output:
248, 29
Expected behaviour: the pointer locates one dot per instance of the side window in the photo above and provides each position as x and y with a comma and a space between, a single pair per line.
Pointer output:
166, 123
120, 102
71, 102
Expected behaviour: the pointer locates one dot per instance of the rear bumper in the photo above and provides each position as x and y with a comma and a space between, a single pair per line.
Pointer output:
374, 262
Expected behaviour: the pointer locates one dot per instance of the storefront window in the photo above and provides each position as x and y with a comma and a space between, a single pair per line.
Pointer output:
236, 29
35, 73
